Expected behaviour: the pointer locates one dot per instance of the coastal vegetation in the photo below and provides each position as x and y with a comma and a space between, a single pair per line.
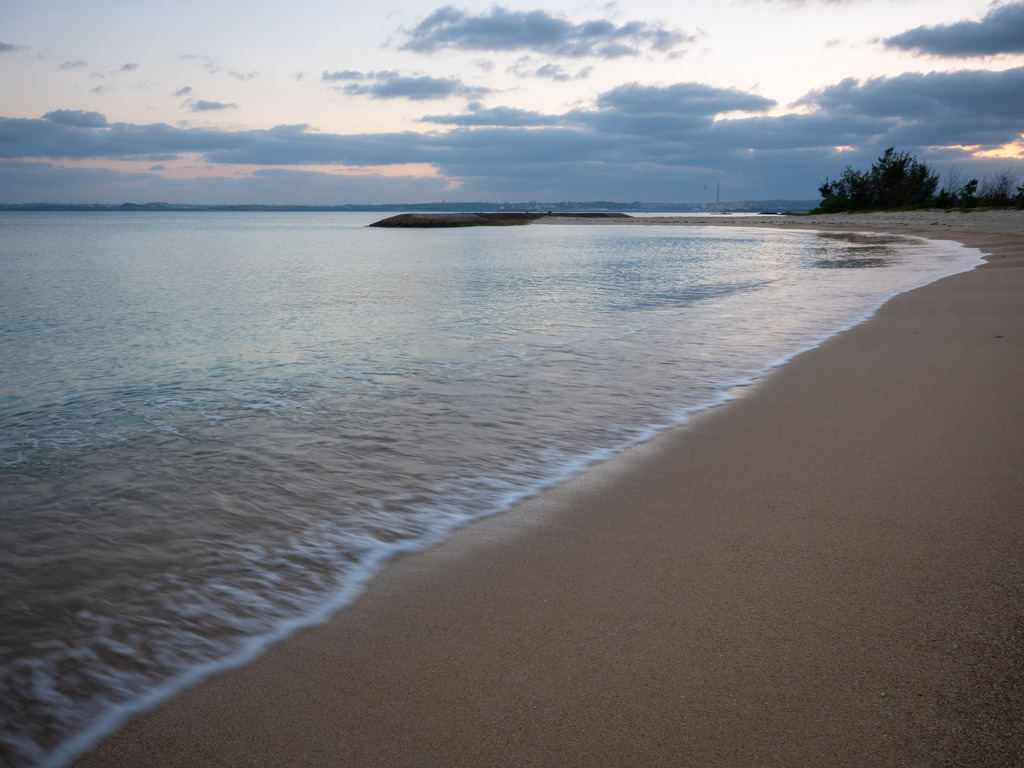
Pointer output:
898, 180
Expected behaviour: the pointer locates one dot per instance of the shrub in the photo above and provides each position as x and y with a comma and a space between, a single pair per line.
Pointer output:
898, 180
1002, 190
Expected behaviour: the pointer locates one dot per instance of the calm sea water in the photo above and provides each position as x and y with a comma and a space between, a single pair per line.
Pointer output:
214, 428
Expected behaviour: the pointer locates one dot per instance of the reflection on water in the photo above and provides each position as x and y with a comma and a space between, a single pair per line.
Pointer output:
859, 250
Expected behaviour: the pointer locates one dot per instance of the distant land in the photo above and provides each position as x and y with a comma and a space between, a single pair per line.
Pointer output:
743, 206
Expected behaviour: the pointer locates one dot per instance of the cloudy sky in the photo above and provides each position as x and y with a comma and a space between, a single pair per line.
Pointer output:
317, 102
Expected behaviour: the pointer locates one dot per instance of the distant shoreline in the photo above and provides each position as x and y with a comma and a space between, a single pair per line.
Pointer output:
597, 206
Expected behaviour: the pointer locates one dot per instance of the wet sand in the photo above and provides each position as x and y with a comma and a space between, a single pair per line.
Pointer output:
829, 570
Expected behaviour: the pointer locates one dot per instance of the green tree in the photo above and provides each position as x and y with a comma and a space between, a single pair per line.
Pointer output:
896, 180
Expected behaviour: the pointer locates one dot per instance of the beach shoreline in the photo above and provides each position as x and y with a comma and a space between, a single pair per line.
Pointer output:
823, 572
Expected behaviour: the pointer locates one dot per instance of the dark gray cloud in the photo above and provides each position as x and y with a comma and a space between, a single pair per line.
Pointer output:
183, 91
502, 29
130, 67
77, 118
9, 47
73, 64
393, 85
964, 107
652, 111
45, 138
635, 142
1001, 30
682, 99
937, 96
792, 132
201, 105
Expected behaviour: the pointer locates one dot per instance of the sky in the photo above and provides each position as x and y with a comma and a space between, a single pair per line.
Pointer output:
324, 103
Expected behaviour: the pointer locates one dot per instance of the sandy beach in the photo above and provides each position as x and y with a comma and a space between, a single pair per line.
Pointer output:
826, 571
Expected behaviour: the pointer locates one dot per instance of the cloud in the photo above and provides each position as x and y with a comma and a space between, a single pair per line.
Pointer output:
682, 99
63, 138
525, 67
499, 116
346, 74
9, 47
35, 181
634, 142
392, 85
73, 64
215, 65
1001, 30
201, 105
130, 67
651, 111
553, 71
815, 2
211, 64
965, 107
76, 118
183, 91
502, 29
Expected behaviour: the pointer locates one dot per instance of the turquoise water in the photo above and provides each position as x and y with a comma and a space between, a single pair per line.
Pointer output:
214, 428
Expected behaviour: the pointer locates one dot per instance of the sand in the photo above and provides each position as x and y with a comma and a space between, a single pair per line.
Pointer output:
829, 570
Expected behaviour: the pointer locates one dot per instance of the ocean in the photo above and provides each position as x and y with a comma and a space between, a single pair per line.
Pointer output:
215, 428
